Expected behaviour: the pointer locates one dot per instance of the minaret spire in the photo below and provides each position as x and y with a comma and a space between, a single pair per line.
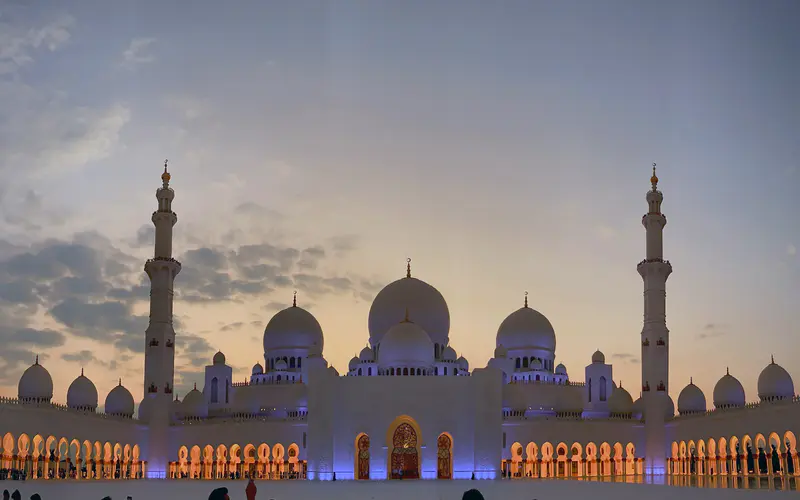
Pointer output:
654, 271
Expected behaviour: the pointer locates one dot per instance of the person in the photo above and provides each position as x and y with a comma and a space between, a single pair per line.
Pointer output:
16, 495
250, 491
219, 494
36, 496
6, 495
472, 494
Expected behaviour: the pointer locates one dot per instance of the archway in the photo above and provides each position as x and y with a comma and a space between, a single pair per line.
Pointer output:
362, 457
404, 449
444, 457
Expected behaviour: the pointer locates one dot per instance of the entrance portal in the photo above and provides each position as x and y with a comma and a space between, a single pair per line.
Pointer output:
404, 459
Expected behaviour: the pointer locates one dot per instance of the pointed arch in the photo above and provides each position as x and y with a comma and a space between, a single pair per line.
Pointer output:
404, 446
444, 456
362, 457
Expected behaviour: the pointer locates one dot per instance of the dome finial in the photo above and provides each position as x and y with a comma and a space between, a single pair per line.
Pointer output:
294, 299
727, 370
37, 360
408, 267
195, 386
772, 358
691, 381
165, 177
81, 371
620, 383
654, 178
526, 299
120, 382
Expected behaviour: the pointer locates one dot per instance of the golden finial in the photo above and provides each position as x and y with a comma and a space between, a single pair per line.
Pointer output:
195, 386
654, 178
408, 267
37, 360
620, 384
165, 176
294, 300
120, 382
691, 382
772, 358
81, 371
727, 371
526, 299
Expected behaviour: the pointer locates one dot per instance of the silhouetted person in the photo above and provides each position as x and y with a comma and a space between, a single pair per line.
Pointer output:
36, 496
219, 494
16, 495
6, 495
776, 460
472, 494
250, 491
106, 498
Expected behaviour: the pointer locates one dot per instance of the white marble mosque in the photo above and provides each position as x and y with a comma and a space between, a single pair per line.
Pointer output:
429, 414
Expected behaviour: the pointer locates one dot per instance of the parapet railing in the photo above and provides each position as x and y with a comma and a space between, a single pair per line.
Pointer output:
747, 406
45, 405
293, 416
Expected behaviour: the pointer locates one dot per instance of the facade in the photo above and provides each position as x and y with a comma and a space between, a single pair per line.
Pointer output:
429, 415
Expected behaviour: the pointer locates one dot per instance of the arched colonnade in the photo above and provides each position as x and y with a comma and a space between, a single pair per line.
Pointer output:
576, 461
236, 461
759, 455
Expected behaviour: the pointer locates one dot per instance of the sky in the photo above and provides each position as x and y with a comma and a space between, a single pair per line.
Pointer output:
504, 146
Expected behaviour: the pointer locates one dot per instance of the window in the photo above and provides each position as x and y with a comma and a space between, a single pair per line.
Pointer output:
602, 388
214, 390
590, 390
227, 390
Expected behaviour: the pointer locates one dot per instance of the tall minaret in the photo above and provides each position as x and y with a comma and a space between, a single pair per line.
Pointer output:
159, 354
655, 335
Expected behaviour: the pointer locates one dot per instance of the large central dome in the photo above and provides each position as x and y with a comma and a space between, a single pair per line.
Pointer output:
425, 304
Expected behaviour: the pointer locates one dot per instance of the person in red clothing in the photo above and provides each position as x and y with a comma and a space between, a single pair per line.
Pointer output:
250, 491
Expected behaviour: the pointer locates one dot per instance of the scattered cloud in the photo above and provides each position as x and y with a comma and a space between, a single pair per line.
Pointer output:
711, 330
605, 232
21, 37
137, 53
791, 250
625, 357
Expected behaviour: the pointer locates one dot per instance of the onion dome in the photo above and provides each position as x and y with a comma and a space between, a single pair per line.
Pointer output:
775, 383
598, 357
219, 358
500, 351
561, 369
36, 384
281, 365
463, 363
366, 354
406, 345
353, 364
620, 402
527, 328
427, 304
691, 400
728, 393
669, 407
82, 394
194, 405
257, 369
637, 411
119, 402
293, 328
144, 409
449, 354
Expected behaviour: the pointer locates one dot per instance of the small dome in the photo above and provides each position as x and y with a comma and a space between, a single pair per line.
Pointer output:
691, 400
257, 369
620, 401
775, 383
366, 354
728, 392
669, 407
144, 409
598, 357
281, 365
406, 344
293, 328
82, 394
561, 369
219, 358
36, 384
194, 405
449, 354
463, 363
353, 364
119, 402
526, 328
500, 351
426, 304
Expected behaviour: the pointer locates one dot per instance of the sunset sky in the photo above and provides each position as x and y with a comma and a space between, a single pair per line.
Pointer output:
503, 146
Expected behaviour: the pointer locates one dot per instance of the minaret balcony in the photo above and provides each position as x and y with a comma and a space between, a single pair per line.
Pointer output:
646, 387
153, 343
170, 344
655, 266
152, 389
646, 343
661, 387
660, 342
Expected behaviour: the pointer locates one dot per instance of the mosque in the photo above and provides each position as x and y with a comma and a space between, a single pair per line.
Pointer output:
407, 407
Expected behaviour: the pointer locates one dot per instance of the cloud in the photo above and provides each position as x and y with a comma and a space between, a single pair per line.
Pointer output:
625, 357
19, 40
711, 330
136, 53
604, 232
791, 250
